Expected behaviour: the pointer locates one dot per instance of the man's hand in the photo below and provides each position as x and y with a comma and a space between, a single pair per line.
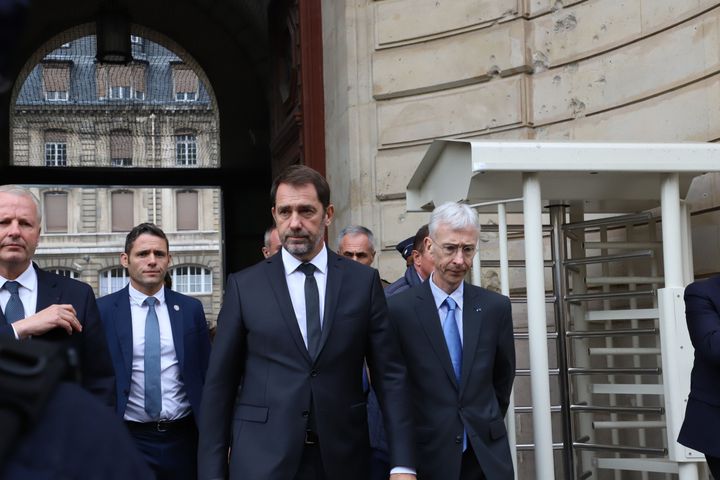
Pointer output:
62, 316
402, 476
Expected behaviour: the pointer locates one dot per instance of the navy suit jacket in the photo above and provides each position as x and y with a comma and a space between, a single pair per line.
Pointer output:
442, 408
702, 416
190, 336
95, 367
410, 279
259, 346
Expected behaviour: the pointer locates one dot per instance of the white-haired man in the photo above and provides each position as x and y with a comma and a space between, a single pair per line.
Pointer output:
459, 349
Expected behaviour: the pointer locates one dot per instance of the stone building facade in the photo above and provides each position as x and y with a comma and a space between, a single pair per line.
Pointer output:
400, 73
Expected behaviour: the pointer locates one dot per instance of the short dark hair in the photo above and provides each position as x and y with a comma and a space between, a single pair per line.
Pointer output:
297, 175
422, 233
144, 228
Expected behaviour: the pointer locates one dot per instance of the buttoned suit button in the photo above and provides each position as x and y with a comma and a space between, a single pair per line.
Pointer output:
314, 373
458, 439
305, 414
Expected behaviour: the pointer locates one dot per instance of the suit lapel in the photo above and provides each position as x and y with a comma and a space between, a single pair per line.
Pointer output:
122, 320
177, 325
278, 285
472, 320
332, 292
48, 291
426, 313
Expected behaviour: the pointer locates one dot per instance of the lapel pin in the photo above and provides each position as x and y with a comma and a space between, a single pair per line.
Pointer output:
176, 307
478, 308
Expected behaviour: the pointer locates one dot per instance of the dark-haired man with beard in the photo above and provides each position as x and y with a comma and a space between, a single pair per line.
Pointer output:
293, 333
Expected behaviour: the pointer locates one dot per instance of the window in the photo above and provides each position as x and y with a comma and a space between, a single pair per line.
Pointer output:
121, 148
56, 81
138, 47
65, 272
55, 206
187, 210
185, 83
122, 211
55, 149
112, 280
192, 279
120, 93
121, 82
56, 96
121, 162
185, 150
185, 96
55, 154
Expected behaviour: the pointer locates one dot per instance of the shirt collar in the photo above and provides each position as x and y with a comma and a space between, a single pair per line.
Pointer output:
139, 297
439, 295
291, 263
27, 279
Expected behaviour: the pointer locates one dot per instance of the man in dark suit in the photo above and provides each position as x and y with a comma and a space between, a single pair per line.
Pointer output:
457, 340
271, 242
43, 305
420, 266
293, 333
160, 346
357, 243
702, 413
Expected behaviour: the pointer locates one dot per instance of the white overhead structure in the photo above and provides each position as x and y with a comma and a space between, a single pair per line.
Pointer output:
614, 179
604, 177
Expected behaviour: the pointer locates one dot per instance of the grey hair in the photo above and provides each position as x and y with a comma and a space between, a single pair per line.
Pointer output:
457, 216
19, 191
356, 230
268, 232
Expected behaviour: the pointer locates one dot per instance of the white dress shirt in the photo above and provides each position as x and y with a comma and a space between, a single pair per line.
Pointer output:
296, 285
439, 295
28, 292
175, 403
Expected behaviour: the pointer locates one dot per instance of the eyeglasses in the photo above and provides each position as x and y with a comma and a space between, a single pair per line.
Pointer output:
451, 250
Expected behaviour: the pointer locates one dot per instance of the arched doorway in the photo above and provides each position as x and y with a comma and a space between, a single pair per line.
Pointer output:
230, 41
155, 114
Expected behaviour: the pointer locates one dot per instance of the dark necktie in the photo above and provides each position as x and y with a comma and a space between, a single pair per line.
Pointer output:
153, 395
14, 309
312, 308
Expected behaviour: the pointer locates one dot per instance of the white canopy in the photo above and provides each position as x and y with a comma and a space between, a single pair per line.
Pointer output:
607, 177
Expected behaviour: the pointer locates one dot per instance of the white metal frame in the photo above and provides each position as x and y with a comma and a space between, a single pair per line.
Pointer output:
599, 177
